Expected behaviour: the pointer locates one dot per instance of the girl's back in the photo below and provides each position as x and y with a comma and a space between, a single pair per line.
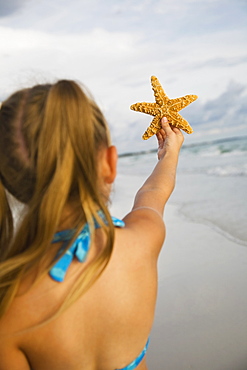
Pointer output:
106, 328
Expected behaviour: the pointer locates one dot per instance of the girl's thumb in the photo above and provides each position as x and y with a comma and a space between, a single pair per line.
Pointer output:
164, 123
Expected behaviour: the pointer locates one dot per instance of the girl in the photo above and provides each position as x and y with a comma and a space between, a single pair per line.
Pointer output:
77, 286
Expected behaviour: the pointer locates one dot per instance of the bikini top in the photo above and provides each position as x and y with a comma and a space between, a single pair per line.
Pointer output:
79, 249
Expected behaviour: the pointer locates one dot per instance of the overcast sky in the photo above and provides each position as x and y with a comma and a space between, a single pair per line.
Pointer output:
114, 46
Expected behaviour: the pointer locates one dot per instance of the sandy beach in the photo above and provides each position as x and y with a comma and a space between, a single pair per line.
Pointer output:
201, 314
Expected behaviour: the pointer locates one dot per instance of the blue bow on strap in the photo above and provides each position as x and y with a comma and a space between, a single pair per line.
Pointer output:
78, 249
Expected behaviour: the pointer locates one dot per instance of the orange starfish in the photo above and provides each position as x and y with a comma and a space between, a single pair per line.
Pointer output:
164, 107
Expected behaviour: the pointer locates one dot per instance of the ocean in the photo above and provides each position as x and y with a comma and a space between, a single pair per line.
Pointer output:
211, 184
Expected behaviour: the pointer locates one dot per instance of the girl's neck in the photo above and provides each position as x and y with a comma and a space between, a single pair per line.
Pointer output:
71, 214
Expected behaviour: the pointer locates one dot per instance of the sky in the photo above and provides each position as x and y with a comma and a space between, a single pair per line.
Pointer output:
114, 47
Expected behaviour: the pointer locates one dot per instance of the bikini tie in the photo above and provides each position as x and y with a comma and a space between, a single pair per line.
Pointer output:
78, 249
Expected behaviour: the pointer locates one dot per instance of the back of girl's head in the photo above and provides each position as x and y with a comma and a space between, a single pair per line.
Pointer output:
39, 128
50, 137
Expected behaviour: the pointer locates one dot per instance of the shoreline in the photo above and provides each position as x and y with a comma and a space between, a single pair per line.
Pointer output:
211, 225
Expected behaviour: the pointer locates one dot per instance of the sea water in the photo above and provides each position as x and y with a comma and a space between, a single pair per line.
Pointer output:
211, 184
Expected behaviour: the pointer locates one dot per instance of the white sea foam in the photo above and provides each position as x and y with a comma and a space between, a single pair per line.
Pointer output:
227, 147
228, 171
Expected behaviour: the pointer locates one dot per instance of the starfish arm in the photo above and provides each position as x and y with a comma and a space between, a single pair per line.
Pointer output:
148, 108
154, 127
179, 103
176, 120
160, 96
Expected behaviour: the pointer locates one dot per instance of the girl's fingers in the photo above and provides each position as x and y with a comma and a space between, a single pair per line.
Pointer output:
162, 134
160, 139
165, 125
178, 132
175, 129
169, 128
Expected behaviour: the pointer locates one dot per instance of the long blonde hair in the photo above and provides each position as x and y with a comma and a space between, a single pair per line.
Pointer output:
50, 136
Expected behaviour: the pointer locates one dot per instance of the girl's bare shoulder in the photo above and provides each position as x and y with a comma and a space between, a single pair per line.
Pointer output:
144, 231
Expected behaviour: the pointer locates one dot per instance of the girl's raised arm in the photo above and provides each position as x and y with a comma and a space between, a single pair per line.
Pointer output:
158, 187
145, 221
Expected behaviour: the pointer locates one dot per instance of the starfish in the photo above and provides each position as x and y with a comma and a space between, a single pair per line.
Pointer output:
164, 107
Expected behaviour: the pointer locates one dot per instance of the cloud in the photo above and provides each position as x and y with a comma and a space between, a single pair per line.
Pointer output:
219, 62
177, 17
223, 108
115, 46
87, 56
10, 6
225, 116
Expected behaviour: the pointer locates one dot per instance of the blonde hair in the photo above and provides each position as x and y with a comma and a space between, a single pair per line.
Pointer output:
50, 136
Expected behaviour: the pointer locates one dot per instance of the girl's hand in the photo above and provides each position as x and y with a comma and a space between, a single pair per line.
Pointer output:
170, 139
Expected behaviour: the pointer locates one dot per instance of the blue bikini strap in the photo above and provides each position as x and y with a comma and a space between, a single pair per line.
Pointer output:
78, 249
138, 359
